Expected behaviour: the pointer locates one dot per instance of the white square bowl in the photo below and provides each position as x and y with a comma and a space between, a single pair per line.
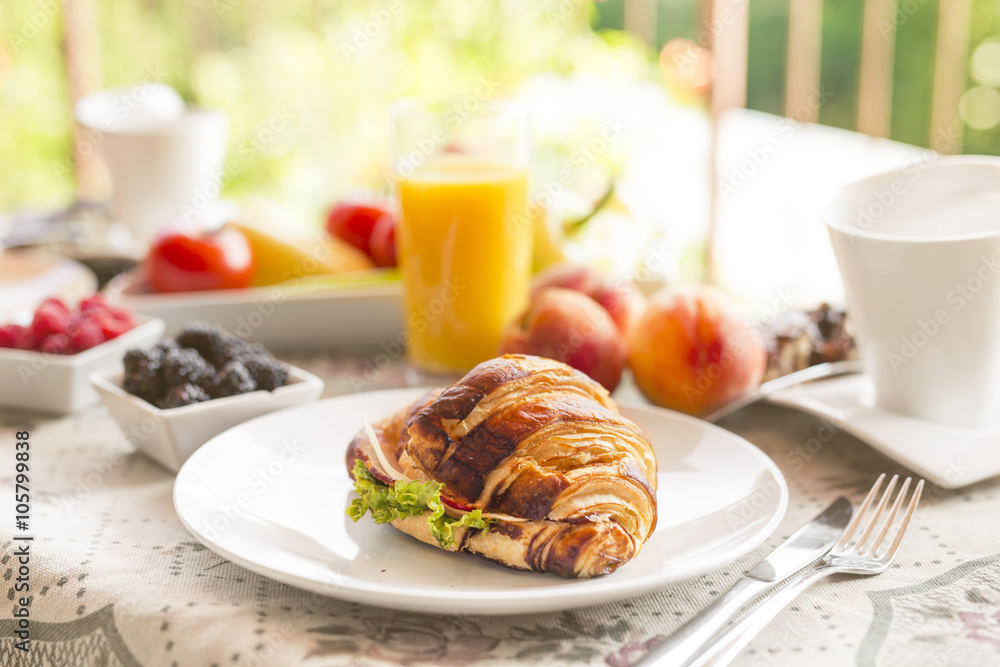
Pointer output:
169, 437
59, 383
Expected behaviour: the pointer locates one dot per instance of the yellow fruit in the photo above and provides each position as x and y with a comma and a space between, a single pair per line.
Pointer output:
277, 260
546, 248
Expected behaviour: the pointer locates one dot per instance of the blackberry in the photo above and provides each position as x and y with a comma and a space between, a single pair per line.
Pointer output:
208, 339
141, 373
184, 366
267, 372
182, 394
234, 378
238, 349
166, 345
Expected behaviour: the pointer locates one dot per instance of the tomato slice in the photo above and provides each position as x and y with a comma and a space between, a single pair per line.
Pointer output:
180, 262
450, 502
355, 223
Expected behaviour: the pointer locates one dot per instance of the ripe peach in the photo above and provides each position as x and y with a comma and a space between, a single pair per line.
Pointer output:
570, 327
621, 298
693, 351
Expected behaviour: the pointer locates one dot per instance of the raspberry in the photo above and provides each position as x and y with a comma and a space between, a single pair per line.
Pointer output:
55, 304
111, 325
51, 317
123, 315
141, 373
9, 333
83, 335
25, 339
234, 378
112, 321
184, 366
55, 344
267, 372
182, 395
93, 302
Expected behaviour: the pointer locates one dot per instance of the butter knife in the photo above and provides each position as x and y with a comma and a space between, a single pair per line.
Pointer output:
817, 372
807, 544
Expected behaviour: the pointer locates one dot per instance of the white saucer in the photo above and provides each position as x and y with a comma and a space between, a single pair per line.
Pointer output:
271, 494
949, 456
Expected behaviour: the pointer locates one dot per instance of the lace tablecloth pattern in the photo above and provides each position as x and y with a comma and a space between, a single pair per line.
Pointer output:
118, 582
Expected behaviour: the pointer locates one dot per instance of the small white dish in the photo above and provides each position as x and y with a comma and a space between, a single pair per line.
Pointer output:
305, 315
169, 437
58, 383
949, 456
271, 495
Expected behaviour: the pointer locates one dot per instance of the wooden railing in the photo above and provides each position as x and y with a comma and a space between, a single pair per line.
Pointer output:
725, 22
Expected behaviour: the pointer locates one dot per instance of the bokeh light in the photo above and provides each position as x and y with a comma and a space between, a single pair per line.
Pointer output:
687, 68
980, 108
986, 63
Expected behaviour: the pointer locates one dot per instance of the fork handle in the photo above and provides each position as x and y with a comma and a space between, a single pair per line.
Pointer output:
686, 641
726, 645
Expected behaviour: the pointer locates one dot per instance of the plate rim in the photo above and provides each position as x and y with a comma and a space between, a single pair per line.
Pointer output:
573, 593
800, 398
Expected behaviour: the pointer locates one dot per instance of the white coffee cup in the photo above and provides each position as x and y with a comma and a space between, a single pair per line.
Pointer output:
165, 159
919, 254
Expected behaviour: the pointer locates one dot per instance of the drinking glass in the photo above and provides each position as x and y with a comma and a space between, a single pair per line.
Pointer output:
461, 180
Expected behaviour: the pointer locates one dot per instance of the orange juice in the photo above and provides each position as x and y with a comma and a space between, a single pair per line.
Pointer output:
465, 252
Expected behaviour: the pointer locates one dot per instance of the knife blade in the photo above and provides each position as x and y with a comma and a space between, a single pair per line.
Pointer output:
805, 546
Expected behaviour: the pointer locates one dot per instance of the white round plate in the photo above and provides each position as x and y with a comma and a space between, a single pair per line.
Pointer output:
271, 495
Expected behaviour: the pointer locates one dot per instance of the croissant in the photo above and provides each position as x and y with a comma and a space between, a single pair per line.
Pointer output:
536, 469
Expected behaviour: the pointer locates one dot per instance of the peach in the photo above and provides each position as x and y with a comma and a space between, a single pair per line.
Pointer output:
693, 351
621, 298
570, 327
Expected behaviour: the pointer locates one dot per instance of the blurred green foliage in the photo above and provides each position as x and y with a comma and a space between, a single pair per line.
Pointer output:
335, 65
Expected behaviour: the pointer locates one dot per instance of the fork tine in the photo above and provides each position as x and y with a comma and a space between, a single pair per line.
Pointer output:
876, 514
856, 519
877, 541
891, 551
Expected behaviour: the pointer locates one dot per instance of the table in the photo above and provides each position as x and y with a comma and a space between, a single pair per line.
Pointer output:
119, 582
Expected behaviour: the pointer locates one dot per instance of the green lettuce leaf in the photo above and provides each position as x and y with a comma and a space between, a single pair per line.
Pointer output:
443, 527
403, 499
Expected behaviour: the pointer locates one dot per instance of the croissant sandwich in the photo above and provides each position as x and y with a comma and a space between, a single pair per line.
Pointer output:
524, 461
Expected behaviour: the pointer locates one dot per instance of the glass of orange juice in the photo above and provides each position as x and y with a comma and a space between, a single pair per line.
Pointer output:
464, 239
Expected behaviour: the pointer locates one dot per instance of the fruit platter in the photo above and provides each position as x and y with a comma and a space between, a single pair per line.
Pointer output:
253, 277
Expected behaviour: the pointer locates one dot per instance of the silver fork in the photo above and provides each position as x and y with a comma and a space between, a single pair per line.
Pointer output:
861, 556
